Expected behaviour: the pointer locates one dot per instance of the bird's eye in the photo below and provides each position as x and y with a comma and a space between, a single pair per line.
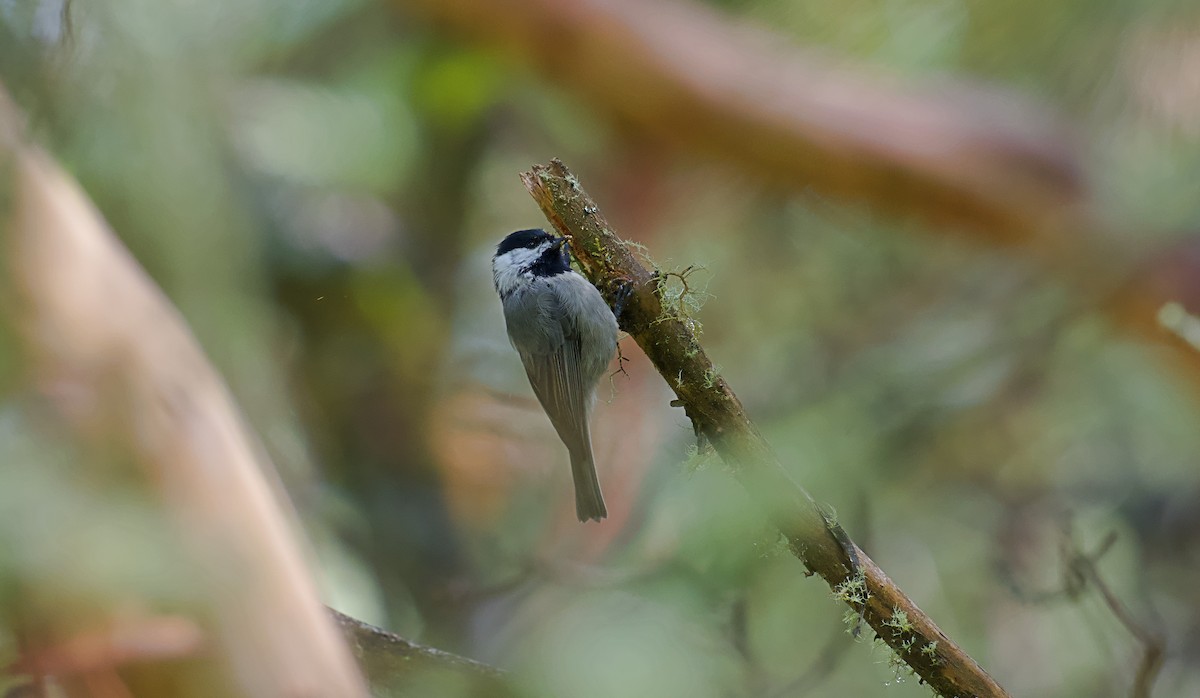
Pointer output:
533, 243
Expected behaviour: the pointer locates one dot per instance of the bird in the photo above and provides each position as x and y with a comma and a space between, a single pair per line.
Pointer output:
566, 336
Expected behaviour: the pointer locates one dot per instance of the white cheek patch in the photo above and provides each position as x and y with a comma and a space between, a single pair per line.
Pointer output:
510, 268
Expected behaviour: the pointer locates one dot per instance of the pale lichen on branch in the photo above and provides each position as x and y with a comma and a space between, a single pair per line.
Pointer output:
660, 321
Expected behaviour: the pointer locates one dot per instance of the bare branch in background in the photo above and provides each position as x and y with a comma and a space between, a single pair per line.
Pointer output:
718, 415
116, 358
395, 666
1080, 574
684, 74
980, 159
1084, 567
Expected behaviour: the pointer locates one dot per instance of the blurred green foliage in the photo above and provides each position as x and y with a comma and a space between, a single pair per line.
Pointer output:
318, 186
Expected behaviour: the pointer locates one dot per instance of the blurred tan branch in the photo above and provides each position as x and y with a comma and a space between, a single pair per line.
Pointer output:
684, 74
718, 415
992, 166
116, 358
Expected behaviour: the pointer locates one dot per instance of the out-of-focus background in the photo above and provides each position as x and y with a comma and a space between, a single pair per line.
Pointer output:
967, 364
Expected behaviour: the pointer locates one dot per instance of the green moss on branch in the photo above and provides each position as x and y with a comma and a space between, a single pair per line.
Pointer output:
669, 340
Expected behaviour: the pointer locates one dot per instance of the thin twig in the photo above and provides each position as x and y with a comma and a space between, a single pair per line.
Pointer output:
1080, 573
1082, 566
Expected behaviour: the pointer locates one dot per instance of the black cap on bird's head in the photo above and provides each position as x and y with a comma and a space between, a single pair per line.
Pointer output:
554, 259
527, 239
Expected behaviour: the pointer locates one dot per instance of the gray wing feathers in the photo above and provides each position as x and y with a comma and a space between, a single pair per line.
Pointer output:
567, 399
563, 376
558, 385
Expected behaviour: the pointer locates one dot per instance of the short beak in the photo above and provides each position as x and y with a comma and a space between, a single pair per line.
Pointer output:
558, 243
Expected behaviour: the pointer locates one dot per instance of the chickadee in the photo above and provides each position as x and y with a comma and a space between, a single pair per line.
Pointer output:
566, 336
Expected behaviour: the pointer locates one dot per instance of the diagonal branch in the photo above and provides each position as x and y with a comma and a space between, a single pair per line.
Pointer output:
684, 74
717, 414
395, 666
121, 365
94, 320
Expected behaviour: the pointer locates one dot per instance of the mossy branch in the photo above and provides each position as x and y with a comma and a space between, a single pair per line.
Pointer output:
718, 415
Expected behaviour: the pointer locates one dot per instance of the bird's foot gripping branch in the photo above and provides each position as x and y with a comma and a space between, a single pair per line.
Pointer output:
718, 416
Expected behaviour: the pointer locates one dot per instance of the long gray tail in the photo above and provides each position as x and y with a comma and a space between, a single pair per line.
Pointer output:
589, 502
